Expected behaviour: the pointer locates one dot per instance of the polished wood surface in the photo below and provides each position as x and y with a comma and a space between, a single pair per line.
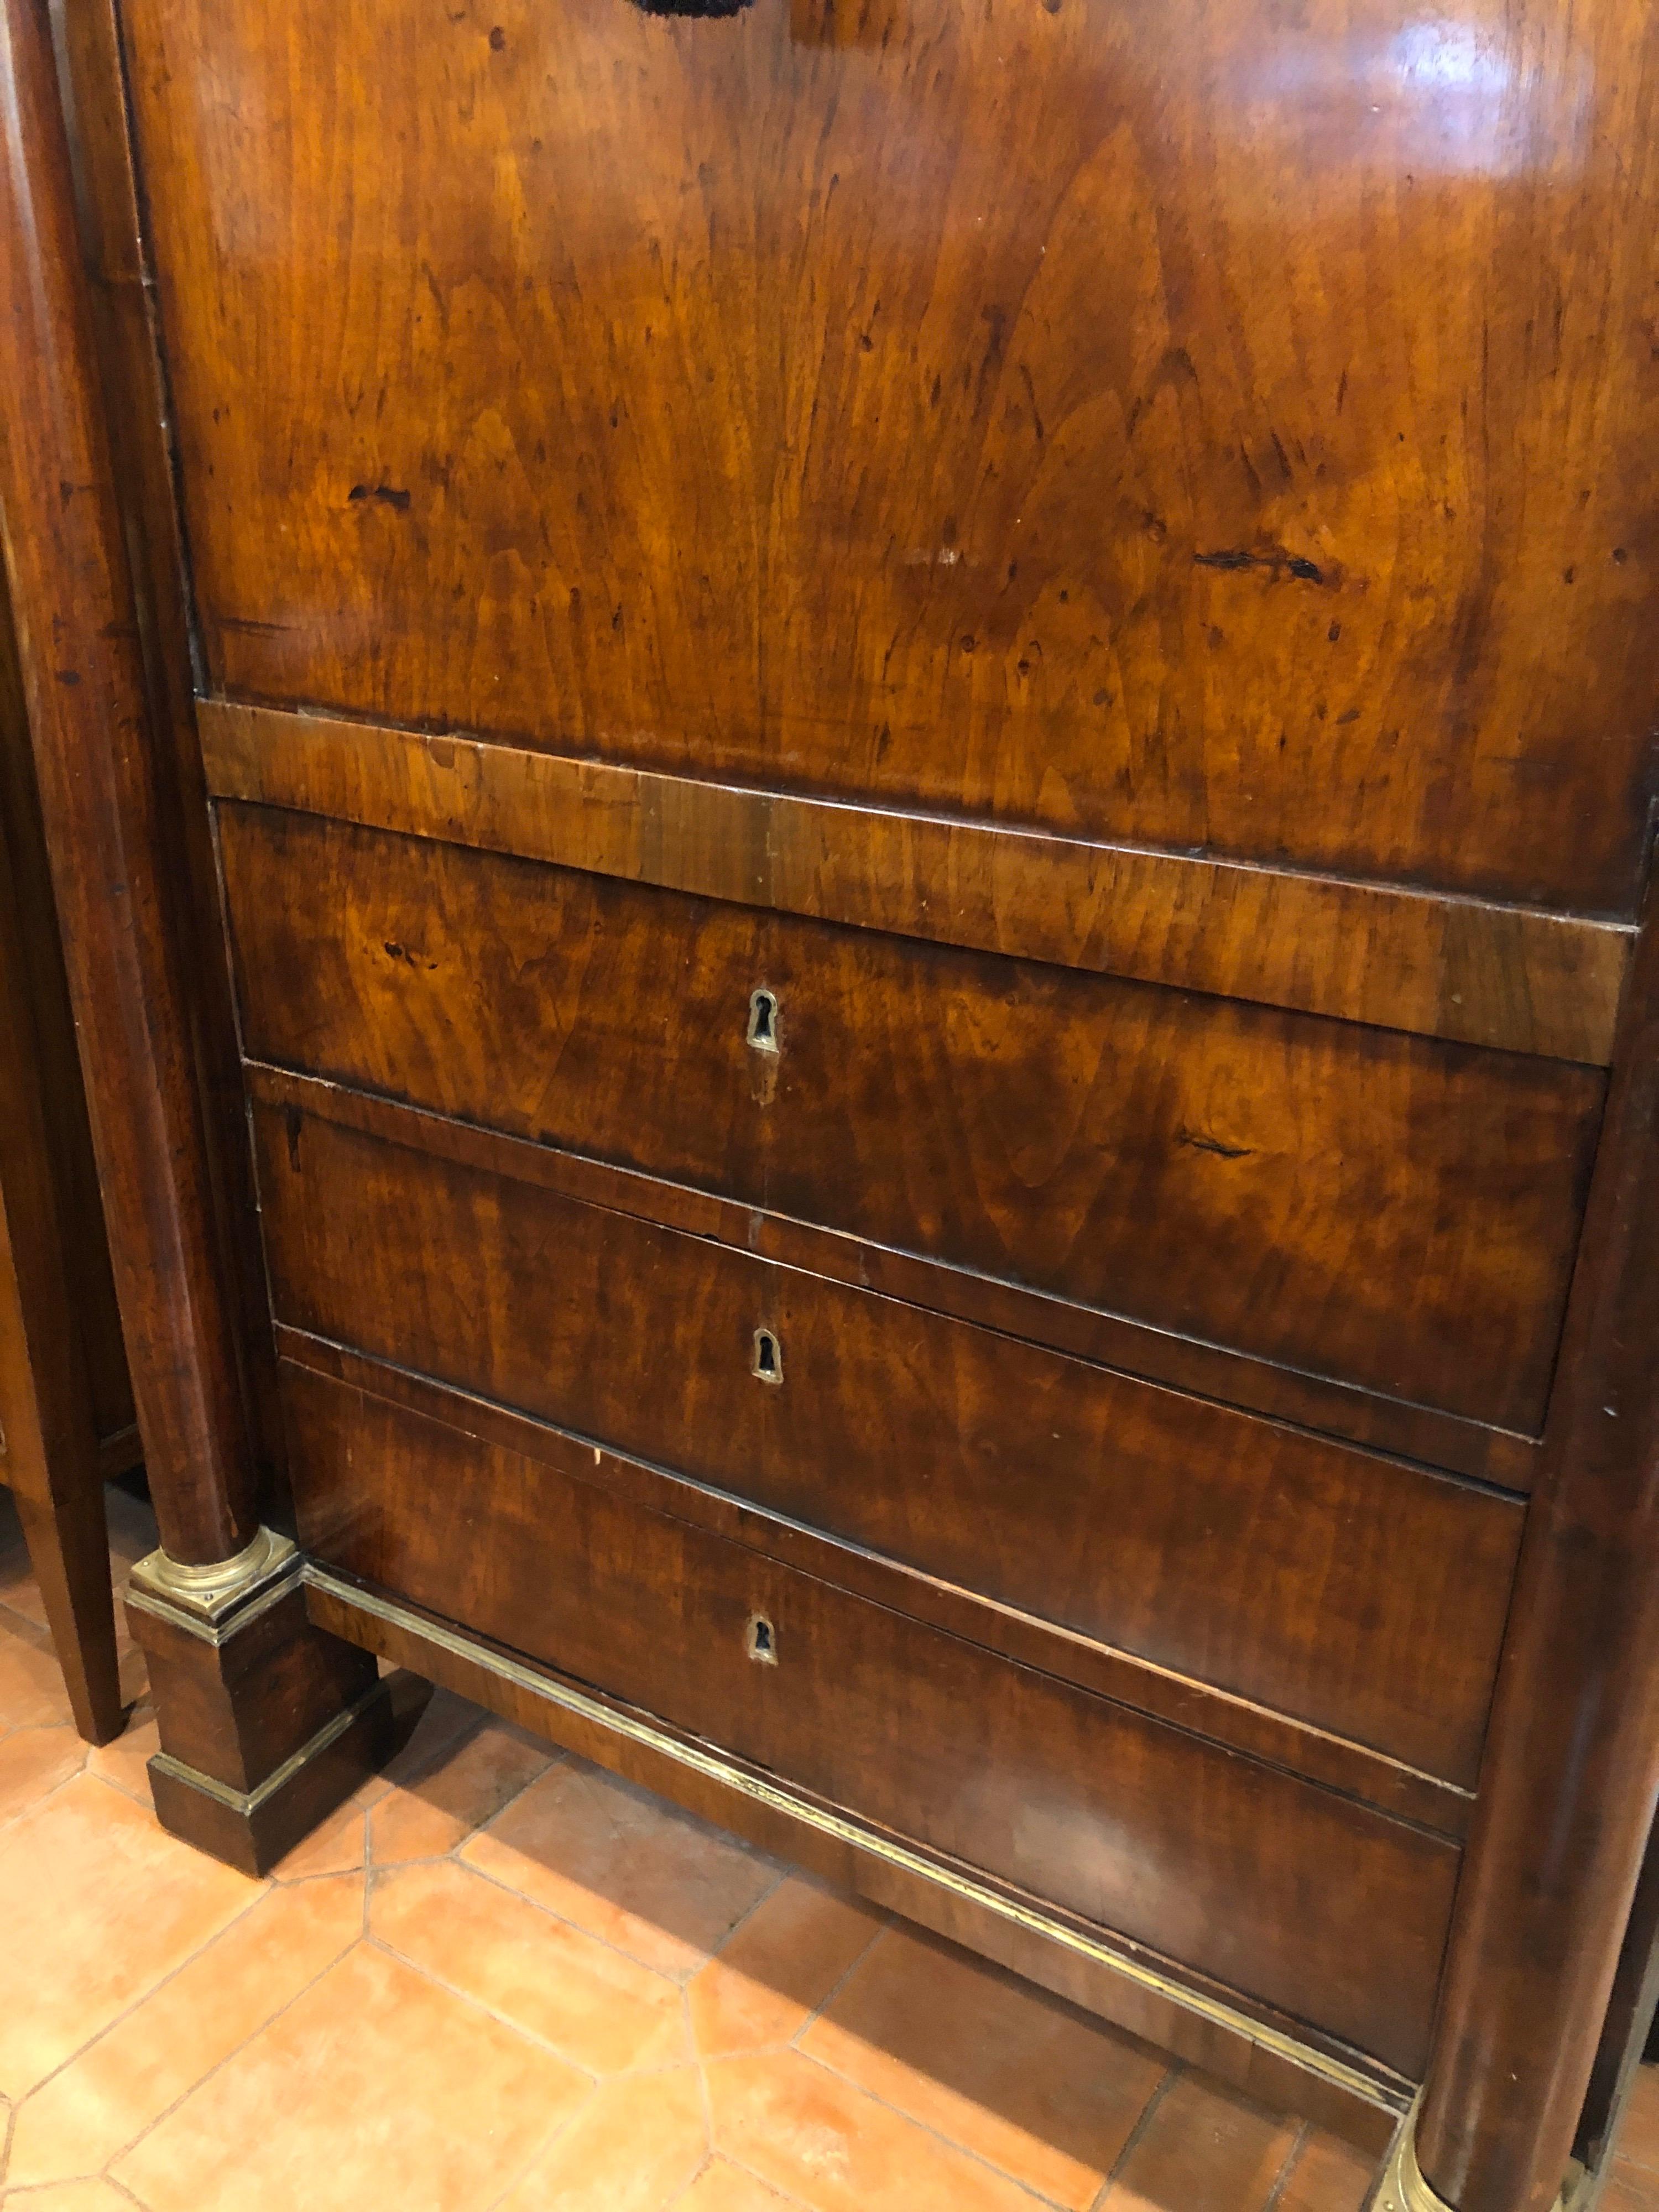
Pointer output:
1013, 518
66, 1415
1185, 1363
1396, 1214
34, 953
122, 295
1571, 1774
1457, 967
1202, 426
996, 1766
1356, 1770
71, 590
1363, 1597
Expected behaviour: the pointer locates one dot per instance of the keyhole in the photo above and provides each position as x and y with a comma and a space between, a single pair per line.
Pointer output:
761, 1639
767, 1359
763, 1020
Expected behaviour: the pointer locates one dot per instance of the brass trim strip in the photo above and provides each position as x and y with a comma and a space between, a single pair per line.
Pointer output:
248, 1802
715, 1768
208, 1631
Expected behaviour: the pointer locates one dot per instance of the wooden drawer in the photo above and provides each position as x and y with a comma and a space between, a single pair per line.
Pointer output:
1288, 1894
1364, 1596
1394, 1212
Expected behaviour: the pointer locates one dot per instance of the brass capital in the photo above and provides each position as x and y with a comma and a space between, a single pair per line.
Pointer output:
209, 1601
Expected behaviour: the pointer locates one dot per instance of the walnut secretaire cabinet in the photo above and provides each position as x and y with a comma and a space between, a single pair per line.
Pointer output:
924, 734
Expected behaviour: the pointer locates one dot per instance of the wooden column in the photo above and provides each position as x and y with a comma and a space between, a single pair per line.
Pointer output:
77, 632
1568, 1792
265, 1722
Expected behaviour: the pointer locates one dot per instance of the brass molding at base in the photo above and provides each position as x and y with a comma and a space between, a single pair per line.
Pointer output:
637, 1728
211, 1602
1401, 2187
248, 1802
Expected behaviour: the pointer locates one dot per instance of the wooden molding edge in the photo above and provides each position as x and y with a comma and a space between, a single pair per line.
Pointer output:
1519, 979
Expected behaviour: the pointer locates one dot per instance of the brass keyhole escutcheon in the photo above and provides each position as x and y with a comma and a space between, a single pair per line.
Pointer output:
766, 1361
763, 1033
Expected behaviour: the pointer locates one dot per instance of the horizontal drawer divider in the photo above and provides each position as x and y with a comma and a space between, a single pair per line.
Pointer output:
1391, 956
1422, 1436
1198, 1709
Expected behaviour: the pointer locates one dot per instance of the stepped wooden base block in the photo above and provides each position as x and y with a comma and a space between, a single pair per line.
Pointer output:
266, 1722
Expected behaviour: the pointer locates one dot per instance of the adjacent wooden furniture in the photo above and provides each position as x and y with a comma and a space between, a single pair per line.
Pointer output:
66, 1418
927, 734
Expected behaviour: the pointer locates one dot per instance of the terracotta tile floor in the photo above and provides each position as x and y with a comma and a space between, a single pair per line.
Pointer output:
500, 1981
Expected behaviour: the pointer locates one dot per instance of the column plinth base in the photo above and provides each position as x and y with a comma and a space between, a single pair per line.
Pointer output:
267, 1723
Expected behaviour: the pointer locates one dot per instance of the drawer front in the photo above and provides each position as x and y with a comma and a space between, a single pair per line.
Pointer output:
1389, 1211
1285, 1893
1361, 1594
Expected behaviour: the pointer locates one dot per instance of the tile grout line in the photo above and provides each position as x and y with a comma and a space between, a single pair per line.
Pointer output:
633, 1959
792, 2045
516, 2028
925, 2127
841, 1982
1160, 2091
785, 2196
698, 2061
541, 2151
573, 1760
25, 1630
387, 1950
219, 2064
746, 1916
145, 1804
1298, 2144
369, 1869
681, 2195
46, 1796
144, 1996
559, 1757
433, 1765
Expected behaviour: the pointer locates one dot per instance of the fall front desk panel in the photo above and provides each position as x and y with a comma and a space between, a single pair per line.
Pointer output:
1209, 1682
